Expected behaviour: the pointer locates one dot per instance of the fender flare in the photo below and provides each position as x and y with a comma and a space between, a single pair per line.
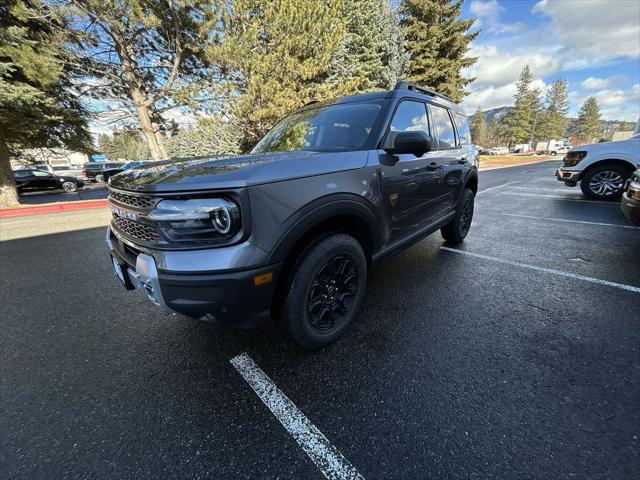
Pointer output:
323, 209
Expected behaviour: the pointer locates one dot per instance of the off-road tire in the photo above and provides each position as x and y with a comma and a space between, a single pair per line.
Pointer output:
457, 229
297, 318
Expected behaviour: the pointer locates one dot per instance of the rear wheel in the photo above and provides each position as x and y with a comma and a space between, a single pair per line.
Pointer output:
100, 178
70, 187
605, 182
457, 229
324, 292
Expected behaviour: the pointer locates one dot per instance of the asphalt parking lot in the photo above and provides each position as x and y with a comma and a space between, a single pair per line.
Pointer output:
515, 355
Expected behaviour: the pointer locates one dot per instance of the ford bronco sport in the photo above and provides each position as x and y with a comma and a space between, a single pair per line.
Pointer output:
289, 231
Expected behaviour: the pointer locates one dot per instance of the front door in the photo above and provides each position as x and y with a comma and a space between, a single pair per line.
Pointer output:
409, 183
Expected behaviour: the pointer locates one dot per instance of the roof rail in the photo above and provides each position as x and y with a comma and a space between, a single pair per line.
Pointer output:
403, 85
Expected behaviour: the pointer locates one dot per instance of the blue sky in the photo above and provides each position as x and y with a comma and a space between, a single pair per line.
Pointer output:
593, 44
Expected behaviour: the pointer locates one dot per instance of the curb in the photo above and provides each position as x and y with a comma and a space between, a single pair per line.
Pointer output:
51, 208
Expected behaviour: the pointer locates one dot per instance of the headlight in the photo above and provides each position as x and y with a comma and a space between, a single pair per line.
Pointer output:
573, 158
197, 220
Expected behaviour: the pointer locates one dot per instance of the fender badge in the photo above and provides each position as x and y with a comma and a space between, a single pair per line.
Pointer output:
393, 198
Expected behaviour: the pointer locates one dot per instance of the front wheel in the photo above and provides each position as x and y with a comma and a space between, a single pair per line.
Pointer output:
324, 292
605, 182
457, 229
70, 187
100, 178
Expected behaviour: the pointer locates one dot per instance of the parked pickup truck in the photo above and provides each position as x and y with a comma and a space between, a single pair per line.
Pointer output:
601, 168
289, 231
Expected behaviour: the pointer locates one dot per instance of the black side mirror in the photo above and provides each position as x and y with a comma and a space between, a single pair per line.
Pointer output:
418, 143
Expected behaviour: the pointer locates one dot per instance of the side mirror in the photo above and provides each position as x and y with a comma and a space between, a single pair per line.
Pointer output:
418, 143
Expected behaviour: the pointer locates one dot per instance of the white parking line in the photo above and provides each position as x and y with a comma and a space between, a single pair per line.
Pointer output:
553, 271
570, 221
545, 189
498, 186
326, 457
557, 196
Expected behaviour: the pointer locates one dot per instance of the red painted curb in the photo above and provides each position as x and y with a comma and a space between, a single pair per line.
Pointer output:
51, 207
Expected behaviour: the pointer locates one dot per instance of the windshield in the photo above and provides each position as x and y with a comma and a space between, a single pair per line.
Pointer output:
329, 128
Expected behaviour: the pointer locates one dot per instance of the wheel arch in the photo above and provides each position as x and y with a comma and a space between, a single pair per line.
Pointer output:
340, 214
608, 161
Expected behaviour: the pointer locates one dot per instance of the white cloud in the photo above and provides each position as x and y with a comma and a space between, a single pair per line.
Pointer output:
497, 67
490, 8
594, 30
491, 97
594, 83
488, 13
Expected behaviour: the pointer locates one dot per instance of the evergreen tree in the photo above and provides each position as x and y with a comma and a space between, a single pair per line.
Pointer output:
494, 135
518, 123
275, 56
213, 136
371, 55
145, 54
552, 122
125, 144
587, 125
438, 41
478, 127
37, 106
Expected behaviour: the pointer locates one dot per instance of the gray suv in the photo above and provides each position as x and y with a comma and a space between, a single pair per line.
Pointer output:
289, 231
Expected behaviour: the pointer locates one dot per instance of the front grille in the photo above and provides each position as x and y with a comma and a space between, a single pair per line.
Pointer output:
146, 233
143, 202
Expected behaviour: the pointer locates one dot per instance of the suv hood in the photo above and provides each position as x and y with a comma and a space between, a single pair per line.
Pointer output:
620, 146
233, 172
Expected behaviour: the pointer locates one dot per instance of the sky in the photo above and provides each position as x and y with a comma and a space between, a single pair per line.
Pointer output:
593, 44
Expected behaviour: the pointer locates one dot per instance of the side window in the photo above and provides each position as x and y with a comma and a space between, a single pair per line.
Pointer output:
464, 134
409, 116
443, 127
39, 173
22, 173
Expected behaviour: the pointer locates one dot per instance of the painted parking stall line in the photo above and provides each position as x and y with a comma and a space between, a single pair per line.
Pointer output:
553, 271
560, 197
326, 457
551, 219
498, 186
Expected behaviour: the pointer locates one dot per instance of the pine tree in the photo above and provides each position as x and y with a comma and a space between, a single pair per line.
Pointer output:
438, 41
275, 57
371, 54
518, 123
38, 108
552, 122
494, 134
478, 127
212, 136
587, 125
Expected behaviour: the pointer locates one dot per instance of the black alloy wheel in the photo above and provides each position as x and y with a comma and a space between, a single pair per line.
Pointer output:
332, 293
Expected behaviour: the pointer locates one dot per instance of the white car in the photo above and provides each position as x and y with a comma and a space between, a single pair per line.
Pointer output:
559, 150
601, 168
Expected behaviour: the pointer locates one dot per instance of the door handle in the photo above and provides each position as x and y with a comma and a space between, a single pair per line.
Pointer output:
462, 160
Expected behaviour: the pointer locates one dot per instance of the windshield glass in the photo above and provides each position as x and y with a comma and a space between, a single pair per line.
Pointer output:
328, 128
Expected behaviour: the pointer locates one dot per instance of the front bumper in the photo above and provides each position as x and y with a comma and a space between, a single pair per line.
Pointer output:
569, 177
240, 298
630, 204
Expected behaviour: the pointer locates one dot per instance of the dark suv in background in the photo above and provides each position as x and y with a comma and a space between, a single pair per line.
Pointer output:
96, 170
290, 230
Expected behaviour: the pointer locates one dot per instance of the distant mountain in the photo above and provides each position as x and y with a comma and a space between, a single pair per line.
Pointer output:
496, 113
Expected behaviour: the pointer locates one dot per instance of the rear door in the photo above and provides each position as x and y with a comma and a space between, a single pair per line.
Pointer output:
452, 157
